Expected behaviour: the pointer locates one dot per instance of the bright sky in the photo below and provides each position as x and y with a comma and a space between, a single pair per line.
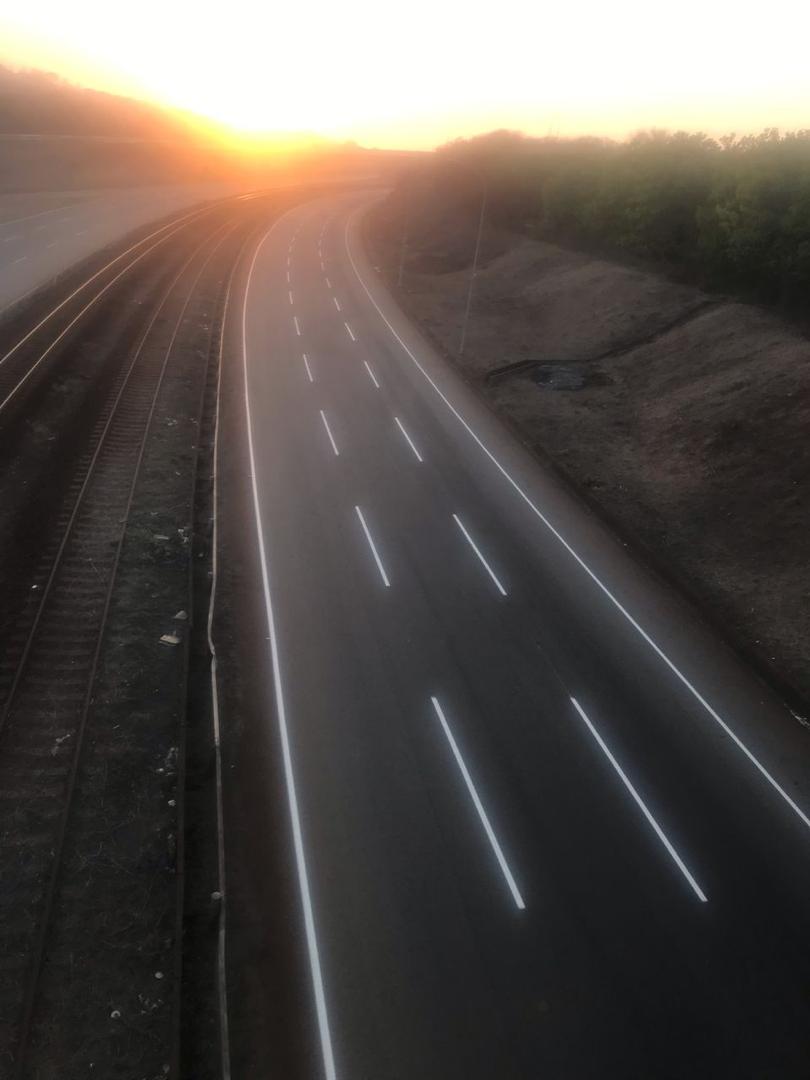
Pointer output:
417, 73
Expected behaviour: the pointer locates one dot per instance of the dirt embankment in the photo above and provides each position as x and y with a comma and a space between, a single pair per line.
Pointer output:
683, 416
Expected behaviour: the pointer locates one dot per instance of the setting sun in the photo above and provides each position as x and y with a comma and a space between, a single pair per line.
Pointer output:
431, 71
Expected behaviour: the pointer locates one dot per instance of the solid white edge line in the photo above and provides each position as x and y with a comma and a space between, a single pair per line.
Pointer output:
306, 365
371, 374
659, 832
327, 1052
374, 552
482, 814
222, 981
408, 439
329, 433
42, 213
297, 327
483, 561
581, 562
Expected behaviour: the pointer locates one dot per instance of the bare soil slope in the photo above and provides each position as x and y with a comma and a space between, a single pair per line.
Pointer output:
684, 417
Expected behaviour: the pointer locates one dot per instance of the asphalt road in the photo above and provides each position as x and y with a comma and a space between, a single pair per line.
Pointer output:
544, 825
41, 235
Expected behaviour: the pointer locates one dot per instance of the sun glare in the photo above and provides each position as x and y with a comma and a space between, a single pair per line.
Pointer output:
437, 71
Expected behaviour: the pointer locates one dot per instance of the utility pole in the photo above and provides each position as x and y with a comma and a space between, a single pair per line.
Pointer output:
474, 271
402, 251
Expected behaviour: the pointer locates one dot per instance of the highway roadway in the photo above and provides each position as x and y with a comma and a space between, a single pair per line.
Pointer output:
543, 823
44, 234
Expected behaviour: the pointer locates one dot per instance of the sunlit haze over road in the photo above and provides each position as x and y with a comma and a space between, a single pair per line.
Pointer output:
414, 75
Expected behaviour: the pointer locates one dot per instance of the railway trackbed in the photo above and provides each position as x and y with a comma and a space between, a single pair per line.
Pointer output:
100, 412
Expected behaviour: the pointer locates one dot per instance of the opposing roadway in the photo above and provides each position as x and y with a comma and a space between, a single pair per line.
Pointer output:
42, 235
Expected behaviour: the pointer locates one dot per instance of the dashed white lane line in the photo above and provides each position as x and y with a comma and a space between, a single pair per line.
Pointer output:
297, 327
8, 239
14, 262
329, 433
306, 365
659, 832
481, 558
482, 814
374, 551
558, 536
288, 277
52, 244
408, 439
349, 331
323, 267
290, 295
328, 283
327, 1051
80, 232
371, 374
336, 302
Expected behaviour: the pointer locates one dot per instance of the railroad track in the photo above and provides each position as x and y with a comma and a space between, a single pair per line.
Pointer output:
21, 362
48, 671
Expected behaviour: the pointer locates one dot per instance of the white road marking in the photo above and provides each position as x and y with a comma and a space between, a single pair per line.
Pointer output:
322, 265
328, 283
80, 232
30, 217
289, 293
377, 558
288, 277
659, 832
336, 302
316, 974
222, 922
52, 244
306, 365
676, 671
408, 439
8, 239
482, 814
14, 262
484, 562
371, 374
349, 331
329, 433
297, 327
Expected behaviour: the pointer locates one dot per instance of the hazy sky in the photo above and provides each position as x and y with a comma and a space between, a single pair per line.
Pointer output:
417, 73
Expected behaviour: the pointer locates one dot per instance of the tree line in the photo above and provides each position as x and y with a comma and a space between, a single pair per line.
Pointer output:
730, 213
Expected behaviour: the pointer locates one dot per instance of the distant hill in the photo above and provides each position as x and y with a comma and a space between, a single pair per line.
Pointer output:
40, 103
56, 135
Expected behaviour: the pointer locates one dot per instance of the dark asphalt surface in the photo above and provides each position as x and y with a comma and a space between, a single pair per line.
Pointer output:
524, 892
